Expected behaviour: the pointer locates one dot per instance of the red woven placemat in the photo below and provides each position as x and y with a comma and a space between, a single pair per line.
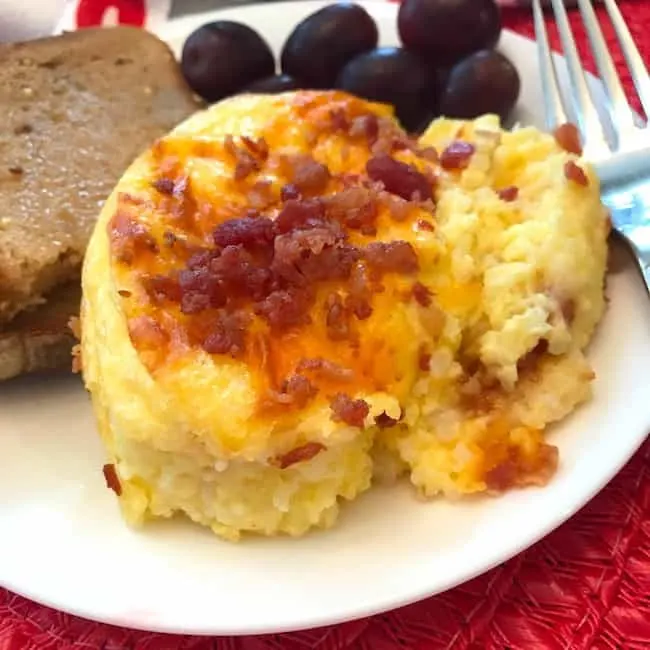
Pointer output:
584, 587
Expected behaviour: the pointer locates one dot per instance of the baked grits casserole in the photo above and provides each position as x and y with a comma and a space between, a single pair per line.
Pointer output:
287, 298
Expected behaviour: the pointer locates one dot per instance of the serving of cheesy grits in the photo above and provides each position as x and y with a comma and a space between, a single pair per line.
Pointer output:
287, 299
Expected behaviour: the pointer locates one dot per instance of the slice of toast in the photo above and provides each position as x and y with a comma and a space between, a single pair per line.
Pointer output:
40, 339
76, 110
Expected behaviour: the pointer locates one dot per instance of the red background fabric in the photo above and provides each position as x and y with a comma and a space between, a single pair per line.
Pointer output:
585, 587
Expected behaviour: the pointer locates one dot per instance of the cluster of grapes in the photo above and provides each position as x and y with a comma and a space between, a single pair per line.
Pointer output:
447, 64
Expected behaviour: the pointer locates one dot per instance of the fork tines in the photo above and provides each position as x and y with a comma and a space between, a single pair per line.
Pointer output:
600, 139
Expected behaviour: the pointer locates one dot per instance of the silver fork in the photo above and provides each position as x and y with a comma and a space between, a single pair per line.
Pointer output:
616, 143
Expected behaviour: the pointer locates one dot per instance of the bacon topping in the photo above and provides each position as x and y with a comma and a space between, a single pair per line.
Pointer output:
325, 368
399, 178
288, 192
425, 225
249, 232
348, 410
366, 126
111, 478
457, 155
339, 120
300, 454
384, 421
509, 194
227, 335
129, 238
392, 257
568, 137
297, 391
268, 266
421, 294
164, 185
575, 173
248, 157
354, 207
424, 359
337, 318
161, 288
307, 175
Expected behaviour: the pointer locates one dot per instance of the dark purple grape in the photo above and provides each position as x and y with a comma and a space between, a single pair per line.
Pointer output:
278, 83
446, 31
484, 82
394, 76
319, 46
223, 57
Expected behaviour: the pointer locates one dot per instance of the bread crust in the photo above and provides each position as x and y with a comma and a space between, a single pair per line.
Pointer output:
77, 109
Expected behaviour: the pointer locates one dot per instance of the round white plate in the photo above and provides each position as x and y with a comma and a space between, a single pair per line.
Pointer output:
63, 543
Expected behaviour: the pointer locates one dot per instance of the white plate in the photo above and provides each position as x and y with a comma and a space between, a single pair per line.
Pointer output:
63, 543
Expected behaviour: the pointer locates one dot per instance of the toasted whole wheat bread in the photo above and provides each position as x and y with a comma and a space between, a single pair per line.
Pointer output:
76, 110
40, 339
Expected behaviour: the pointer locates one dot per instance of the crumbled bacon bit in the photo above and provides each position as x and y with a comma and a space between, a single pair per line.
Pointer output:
391, 257
161, 288
129, 237
348, 410
259, 148
424, 359
457, 155
125, 293
568, 137
289, 192
169, 238
384, 421
299, 455
300, 214
296, 391
509, 193
425, 225
248, 157
325, 368
147, 332
421, 294
244, 168
228, 335
354, 207
503, 475
249, 232
164, 185
337, 318
575, 173
517, 471
339, 120
399, 178
286, 308
111, 478
366, 126
308, 175
398, 208
360, 292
